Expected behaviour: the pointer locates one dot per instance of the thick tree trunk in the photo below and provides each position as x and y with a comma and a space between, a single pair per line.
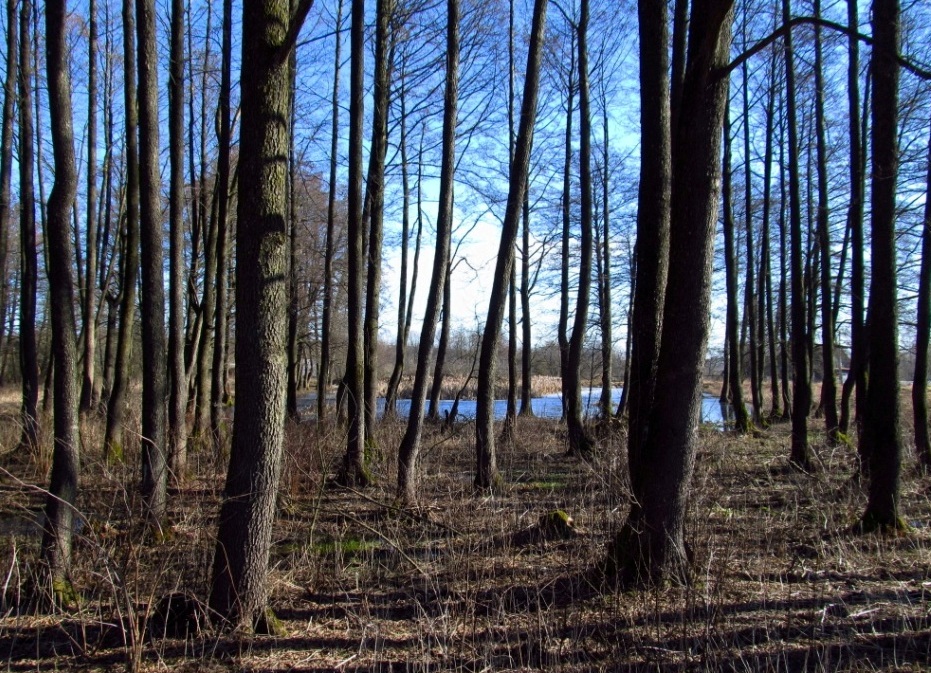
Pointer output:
881, 432
651, 546
63, 487
486, 472
409, 451
651, 253
239, 591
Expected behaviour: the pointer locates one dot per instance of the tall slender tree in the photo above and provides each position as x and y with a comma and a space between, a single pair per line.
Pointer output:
154, 455
63, 487
89, 306
6, 168
486, 472
800, 455
923, 335
29, 255
881, 431
409, 451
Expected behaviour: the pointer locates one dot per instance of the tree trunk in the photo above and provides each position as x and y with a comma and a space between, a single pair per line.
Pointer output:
177, 401
375, 198
651, 546
6, 172
409, 451
881, 432
89, 307
218, 396
116, 407
63, 487
604, 278
239, 592
29, 255
354, 471
800, 456
486, 473
563, 327
439, 367
651, 253
323, 372
923, 335
829, 379
734, 383
154, 458
526, 357
579, 442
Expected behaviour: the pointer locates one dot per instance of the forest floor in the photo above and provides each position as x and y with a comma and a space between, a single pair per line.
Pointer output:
778, 581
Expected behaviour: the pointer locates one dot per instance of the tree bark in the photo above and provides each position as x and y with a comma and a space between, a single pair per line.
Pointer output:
651, 546
323, 377
923, 335
89, 306
409, 451
29, 255
651, 253
486, 473
238, 591
177, 377
354, 471
63, 487
154, 456
800, 456
116, 407
579, 441
881, 431
6, 172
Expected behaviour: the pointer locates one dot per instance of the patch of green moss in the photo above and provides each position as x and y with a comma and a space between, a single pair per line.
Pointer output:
871, 523
115, 455
268, 624
64, 594
349, 546
556, 525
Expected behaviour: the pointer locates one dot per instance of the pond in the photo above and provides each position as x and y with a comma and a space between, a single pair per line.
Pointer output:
550, 406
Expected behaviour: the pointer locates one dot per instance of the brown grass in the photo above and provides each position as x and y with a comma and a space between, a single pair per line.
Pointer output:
778, 583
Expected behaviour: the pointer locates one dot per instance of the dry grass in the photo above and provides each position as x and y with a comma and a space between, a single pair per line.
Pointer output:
778, 582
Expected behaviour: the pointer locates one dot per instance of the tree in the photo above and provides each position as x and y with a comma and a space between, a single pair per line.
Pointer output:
354, 471
29, 256
579, 442
486, 472
800, 455
829, 379
734, 383
409, 451
116, 406
177, 400
881, 432
923, 335
653, 212
154, 457
651, 548
63, 487
89, 307
238, 591
323, 379
6, 166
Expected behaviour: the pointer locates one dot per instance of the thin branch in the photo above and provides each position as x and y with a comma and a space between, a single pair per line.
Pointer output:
294, 29
918, 70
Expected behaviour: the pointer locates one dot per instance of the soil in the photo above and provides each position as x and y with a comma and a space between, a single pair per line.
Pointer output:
778, 582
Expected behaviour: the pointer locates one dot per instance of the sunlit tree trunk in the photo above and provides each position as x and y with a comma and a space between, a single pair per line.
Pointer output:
409, 451
6, 172
923, 335
486, 473
63, 486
